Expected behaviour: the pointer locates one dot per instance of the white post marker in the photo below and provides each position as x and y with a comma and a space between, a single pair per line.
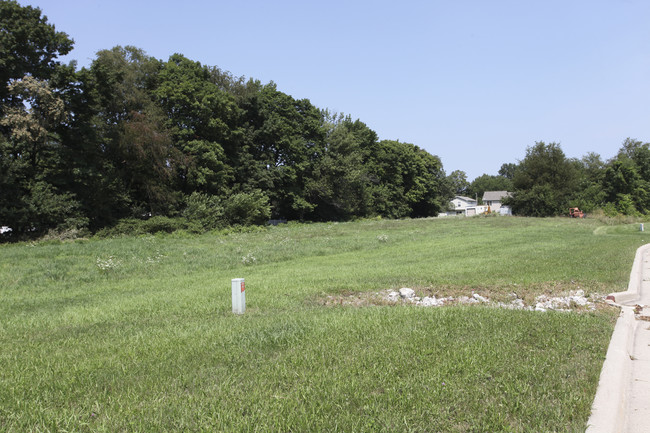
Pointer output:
641, 227
238, 296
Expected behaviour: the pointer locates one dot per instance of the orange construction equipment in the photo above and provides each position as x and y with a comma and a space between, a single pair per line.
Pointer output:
574, 212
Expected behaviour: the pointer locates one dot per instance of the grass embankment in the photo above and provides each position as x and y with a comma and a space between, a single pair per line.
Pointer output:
136, 334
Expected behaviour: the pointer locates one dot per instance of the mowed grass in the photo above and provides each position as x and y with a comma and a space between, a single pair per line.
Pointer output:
137, 334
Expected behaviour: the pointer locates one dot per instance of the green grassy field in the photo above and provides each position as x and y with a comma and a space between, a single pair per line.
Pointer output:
137, 334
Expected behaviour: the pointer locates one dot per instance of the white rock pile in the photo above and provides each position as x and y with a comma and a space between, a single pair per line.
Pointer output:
572, 301
562, 303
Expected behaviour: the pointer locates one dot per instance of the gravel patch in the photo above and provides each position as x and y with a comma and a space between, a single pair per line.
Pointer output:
575, 300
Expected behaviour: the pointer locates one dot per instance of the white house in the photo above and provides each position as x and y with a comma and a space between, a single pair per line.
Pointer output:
466, 206
494, 200
461, 203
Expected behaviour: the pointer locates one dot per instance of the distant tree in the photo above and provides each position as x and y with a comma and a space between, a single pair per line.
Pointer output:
624, 187
508, 170
458, 182
591, 173
593, 166
626, 179
639, 153
145, 150
545, 182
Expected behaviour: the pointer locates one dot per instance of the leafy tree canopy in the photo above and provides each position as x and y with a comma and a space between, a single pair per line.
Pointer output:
29, 45
544, 182
458, 182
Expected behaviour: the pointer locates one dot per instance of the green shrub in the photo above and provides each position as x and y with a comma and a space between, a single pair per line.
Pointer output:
610, 210
163, 224
247, 208
204, 212
132, 226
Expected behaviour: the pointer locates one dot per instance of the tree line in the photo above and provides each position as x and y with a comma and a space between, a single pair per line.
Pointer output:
134, 138
131, 136
547, 183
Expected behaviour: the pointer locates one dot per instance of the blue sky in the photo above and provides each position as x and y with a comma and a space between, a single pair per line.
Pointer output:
474, 82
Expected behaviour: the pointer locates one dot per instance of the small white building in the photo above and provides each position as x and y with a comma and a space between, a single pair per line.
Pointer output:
465, 206
475, 210
460, 202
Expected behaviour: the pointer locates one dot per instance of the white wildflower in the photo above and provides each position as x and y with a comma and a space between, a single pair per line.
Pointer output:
108, 263
249, 259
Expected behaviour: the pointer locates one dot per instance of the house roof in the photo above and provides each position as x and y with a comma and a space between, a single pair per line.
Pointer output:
495, 195
464, 198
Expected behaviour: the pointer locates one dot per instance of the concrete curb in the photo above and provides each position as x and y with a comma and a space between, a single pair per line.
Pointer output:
633, 292
608, 411
608, 408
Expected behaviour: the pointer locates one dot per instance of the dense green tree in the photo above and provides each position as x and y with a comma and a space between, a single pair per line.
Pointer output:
591, 173
122, 81
285, 139
247, 208
426, 191
389, 172
545, 182
145, 151
624, 188
88, 150
127, 146
458, 182
639, 153
30, 126
29, 45
204, 210
30, 154
339, 185
508, 170
622, 185
31, 112
205, 124
195, 106
407, 181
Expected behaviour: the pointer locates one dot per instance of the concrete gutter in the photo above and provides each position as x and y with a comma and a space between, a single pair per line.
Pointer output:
621, 403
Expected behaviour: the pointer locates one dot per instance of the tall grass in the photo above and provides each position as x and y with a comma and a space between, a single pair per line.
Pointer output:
136, 333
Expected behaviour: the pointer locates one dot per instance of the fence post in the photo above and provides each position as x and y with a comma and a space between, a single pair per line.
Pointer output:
238, 296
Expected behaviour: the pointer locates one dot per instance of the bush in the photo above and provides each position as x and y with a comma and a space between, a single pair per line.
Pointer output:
609, 216
70, 229
204, 211
163, 224
247, 208
132, 226
41, 208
